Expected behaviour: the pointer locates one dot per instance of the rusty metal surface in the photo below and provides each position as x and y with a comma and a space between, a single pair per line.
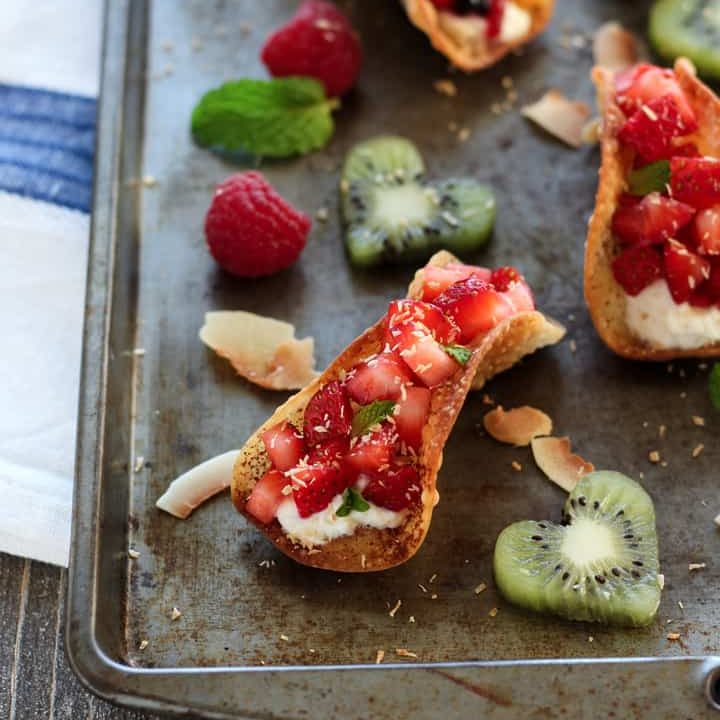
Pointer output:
173, 406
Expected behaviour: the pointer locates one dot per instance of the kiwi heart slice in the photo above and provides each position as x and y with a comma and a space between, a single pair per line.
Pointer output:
392, 215
689, 28
600, 564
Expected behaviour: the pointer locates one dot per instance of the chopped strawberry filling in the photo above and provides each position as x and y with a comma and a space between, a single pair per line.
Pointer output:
653, 220
372, 451
441, 327
328, 415
411, 414
706, 231
315, 486
685, 271
438, 279
695, 181
267, 495
283, 445
637, 267
379, 378
509, 281
396, 488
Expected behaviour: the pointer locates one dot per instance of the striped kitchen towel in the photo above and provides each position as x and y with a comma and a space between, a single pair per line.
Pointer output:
49, 58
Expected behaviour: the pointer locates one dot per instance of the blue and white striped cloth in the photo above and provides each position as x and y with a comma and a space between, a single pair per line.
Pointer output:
49, 57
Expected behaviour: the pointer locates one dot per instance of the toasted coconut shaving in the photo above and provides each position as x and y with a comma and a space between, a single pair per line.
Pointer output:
261, 349
554, 457
196, 486
563, 118
467, 50
517, 426
614, 47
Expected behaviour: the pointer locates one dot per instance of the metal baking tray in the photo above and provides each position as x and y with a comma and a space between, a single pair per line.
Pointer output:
148, 415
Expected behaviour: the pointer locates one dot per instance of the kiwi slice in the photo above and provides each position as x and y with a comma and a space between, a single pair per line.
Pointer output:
600, 564
392, 215
690, 28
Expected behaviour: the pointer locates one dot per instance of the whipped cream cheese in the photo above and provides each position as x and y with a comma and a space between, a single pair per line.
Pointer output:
654, 316
325, 525
470, 31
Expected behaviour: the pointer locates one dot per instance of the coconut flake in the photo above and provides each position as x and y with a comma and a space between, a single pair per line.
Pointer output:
554, 457
196, 486
559, 116
614, 47
261, 349
517, 426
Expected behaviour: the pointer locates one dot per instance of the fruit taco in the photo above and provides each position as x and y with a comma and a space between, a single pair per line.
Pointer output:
652, 261
343, 475
474, 34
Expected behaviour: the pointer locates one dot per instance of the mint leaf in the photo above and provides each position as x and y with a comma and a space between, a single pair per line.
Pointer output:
714, 385
372, 414
359, 504
352, 500
651, 178
274, 118
458, 352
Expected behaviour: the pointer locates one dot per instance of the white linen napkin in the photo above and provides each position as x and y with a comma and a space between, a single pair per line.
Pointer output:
49, 60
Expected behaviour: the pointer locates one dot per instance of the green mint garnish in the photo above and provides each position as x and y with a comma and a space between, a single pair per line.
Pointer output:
372, 414
352, 500
714, 385
651, 178
274, 118
458, 352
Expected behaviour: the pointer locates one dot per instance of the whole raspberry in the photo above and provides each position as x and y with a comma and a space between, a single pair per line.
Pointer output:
251, 230
320, 42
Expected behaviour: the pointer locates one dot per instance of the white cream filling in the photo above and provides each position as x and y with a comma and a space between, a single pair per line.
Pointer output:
470, 31
325, 525
655, 317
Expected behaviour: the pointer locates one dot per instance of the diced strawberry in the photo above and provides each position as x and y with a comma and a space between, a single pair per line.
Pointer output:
315, 486
475, 306
378, 378
442, 328
422, 353
495, 18
628, 200
438, 279
653, 220
637, 267
651, 129
411, 414
395, 489
444, 4
685, 271
701, 298
706, 231
695, 181
267, 495
284, 446
511, 283
644, 83
686, 150
372, 451
328, 415
329, 452
712, 286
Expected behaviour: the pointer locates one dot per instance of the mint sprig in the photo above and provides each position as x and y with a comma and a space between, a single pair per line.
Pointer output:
372, 414
272, 118
714, 385
458, 352
651, 178
352, 500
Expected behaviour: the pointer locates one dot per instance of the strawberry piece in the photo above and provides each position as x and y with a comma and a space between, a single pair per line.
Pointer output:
495, 18
328, 415
372, 451
266, 496
651, 129
438, 279
685, 271
329, 452
411, 414
422, 353
318, 42
395, 489
251, 230
706, 231
653, 220
695, 181
378, 378
283, 445
712, 286
475, 306
315, 486
686, 150
443, 329
643, 83
637, 267
509, 281
444, 4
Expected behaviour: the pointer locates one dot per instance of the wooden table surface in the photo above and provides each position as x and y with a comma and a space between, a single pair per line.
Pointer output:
36, 681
